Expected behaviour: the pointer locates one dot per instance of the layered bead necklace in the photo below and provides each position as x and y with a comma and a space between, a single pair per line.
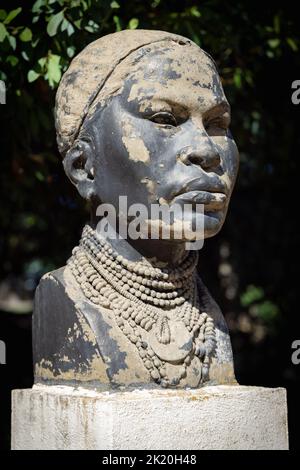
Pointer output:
158, 303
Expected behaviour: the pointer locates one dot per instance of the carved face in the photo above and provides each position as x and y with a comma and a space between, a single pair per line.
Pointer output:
164, 137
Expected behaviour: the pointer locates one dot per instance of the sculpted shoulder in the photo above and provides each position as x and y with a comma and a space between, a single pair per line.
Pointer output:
82, 331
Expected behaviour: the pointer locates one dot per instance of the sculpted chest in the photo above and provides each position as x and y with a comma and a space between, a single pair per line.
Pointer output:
87, 347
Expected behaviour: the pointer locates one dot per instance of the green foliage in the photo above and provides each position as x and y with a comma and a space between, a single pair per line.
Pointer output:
266, 311
252, 294
55, 27
254, 299
26, 35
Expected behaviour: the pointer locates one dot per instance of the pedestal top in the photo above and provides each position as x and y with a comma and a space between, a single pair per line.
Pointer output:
212, 417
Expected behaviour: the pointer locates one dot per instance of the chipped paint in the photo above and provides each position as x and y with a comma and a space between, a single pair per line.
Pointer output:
134, 144
95, 372
136, 148
140, 107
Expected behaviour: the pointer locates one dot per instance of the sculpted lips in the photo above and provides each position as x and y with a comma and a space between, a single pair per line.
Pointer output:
211, 201
210, 193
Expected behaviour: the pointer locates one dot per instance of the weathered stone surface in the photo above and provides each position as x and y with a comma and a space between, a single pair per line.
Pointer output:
140, 115
75, 342
219, 417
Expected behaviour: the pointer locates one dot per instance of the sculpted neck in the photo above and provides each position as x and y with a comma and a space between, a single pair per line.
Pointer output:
170, 253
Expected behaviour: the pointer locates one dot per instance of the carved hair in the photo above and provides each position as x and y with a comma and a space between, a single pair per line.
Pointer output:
88, 73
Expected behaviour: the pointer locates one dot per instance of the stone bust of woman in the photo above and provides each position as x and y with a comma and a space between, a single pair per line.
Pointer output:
140, 114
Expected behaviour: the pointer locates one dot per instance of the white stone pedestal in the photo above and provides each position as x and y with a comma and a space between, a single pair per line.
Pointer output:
220, 417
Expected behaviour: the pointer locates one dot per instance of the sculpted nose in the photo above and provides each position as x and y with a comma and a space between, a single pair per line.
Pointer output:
206, 155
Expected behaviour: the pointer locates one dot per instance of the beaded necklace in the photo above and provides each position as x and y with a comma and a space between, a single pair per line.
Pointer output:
159, 304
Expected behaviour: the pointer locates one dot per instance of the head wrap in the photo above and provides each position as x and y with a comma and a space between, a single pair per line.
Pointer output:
88, 73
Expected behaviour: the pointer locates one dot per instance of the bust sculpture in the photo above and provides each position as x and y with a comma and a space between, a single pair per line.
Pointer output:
140, 114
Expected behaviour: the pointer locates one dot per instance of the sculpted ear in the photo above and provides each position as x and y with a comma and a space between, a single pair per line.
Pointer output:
78, 165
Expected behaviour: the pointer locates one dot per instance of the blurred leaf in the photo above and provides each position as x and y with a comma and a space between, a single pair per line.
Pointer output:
32, 76
39, 176
54, 23
133, 23
12, 15
64, 25
92, 27
13, 60
266, 311
12, 42
117, 22
3, 32
70, 29
237, 78
42, 62
26, 35
71, 51
273, 43
78, 23
292, 44
35, 43
53, 70
251, 295
195, 12
38, 6
25, 55
2, 15
276, 23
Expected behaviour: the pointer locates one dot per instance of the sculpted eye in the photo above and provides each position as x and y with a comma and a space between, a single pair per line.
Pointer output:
218, 125
164, 118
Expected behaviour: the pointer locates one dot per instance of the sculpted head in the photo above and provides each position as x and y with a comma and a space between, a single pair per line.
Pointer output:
143, 114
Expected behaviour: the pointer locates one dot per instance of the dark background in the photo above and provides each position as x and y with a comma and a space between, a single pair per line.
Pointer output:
251, 266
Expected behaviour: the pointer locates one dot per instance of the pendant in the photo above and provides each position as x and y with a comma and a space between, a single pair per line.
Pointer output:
179, 346
163, 332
